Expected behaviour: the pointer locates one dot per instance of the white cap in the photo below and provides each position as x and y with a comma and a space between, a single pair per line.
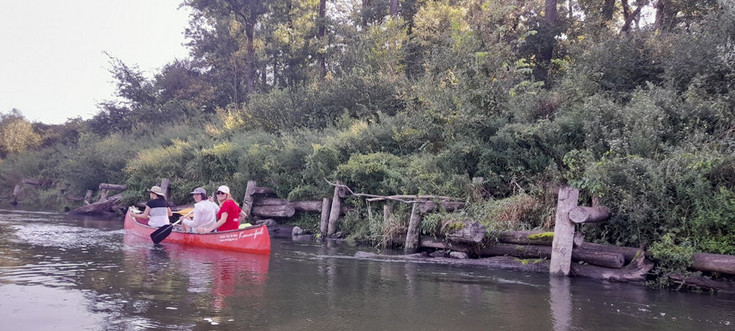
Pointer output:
223, 189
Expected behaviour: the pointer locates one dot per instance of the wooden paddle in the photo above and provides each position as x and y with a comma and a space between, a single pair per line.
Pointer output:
161, 233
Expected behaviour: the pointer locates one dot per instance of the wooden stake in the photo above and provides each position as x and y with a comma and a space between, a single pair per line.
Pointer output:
325, 216
412, 236
561, 246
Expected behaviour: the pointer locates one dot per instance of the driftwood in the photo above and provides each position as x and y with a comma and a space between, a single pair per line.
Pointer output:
714, 263
99, 207
702, 283
633, 272
463, 231
581, 214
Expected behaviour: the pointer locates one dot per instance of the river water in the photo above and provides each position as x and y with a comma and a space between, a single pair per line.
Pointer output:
60, 273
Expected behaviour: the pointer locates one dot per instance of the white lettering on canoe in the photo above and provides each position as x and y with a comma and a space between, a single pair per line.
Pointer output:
253, 234
241, 235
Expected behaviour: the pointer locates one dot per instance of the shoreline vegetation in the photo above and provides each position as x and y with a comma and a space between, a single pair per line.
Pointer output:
457, 120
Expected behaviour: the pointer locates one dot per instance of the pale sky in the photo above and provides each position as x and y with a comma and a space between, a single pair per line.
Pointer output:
52, 65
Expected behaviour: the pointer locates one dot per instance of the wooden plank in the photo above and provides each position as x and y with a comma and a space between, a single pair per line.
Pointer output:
561, 246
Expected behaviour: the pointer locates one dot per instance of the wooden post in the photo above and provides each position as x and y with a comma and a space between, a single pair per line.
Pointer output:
325, 216
103, 195
88, 197
334, 212
386, 213
412, 236
561, 246
16, 191
247, 201
165, 183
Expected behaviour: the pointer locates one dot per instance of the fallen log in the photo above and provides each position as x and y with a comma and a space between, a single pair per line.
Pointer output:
499, 262
526, 237
628, 252
633, 272
270, 202
702, 283
105, 186
273, 211
714, 263
463, 231
99, 207
582, 214
263, 190
598, 258
313, 206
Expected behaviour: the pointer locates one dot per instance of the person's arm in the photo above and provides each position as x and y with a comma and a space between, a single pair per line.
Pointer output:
145, 213
222, 220
170, 213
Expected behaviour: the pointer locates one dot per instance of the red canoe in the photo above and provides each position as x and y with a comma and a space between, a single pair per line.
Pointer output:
254, 239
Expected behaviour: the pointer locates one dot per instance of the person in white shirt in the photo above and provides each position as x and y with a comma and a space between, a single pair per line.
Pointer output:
205, 211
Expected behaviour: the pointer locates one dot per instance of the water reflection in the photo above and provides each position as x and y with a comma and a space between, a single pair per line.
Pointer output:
560, 302
197, 273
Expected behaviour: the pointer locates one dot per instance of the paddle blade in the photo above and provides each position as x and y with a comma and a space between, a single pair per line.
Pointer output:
161, 234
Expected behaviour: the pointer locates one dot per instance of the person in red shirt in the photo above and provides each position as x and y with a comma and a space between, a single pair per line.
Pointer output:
228, 214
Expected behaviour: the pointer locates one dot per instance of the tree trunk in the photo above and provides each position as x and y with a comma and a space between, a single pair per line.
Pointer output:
321, 36
393, 8
250, 64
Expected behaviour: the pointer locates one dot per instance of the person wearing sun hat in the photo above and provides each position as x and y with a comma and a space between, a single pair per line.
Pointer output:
156, 210
204, 214
228, 214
